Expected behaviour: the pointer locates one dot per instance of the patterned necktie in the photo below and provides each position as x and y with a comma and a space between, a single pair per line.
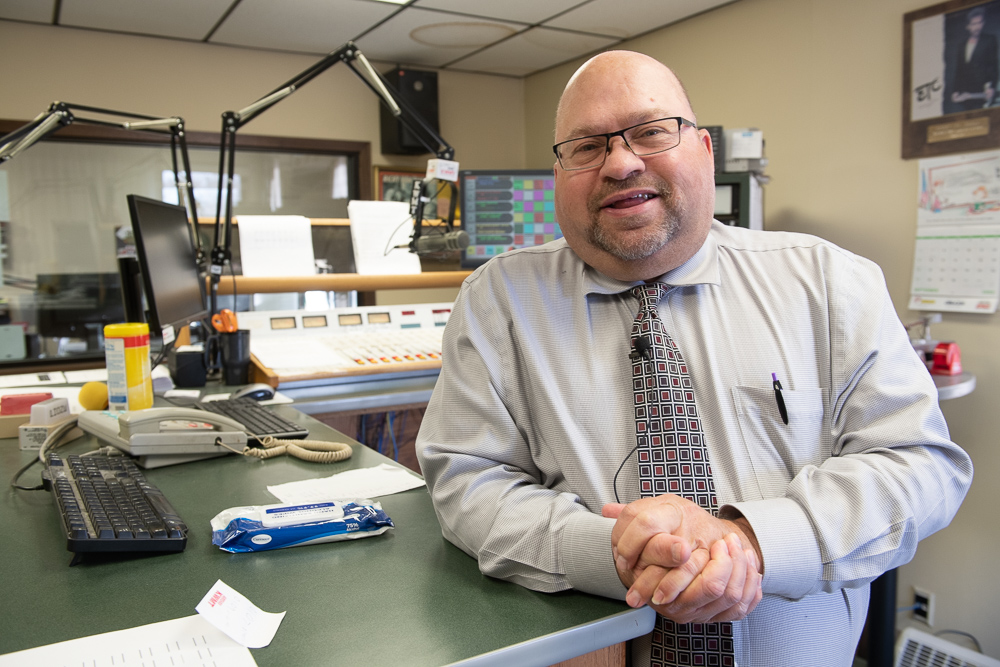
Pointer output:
672, 459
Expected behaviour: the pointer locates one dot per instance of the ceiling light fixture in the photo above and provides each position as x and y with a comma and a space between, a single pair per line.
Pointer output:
461, 35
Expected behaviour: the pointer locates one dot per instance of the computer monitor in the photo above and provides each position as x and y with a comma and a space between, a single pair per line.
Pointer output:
173, 286
738, 200
77, 305
503, 209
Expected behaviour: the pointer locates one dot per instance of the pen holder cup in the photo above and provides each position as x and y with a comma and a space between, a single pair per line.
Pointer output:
235, 352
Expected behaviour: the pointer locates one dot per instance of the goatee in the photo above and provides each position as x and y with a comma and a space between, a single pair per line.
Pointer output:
629, 247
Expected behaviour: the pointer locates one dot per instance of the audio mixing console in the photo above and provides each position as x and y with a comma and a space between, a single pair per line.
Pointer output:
295, 345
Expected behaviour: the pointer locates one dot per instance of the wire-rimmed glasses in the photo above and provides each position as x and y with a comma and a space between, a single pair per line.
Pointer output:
649, 138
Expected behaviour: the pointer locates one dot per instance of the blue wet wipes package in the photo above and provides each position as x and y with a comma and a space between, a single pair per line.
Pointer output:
265, 527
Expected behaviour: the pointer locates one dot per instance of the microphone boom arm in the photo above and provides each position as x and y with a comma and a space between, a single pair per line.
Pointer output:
60, 114
232, 121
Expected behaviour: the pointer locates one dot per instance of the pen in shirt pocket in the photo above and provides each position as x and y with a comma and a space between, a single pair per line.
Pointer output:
779, 399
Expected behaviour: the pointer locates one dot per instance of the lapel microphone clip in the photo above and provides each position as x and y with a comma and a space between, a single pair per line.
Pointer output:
643, 344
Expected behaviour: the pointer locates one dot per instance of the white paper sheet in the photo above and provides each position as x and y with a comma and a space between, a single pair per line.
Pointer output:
376, 228
190, 641
276, 245
232, 613
381, 480
101, 375
90, 375
32, 379
307, 352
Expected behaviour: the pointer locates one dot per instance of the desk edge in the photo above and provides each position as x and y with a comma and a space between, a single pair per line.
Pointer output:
569, 643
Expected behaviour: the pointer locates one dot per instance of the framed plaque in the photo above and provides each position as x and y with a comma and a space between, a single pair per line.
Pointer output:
951, 78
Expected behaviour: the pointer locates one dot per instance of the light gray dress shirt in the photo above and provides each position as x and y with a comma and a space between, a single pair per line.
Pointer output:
532, 415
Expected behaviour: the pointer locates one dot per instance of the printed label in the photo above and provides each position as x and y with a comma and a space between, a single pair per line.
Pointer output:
284, 515
114, 356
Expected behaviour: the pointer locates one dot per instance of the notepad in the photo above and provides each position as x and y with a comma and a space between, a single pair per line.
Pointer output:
377, 227
276, 245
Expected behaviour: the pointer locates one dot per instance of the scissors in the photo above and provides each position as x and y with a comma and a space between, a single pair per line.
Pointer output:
224, 321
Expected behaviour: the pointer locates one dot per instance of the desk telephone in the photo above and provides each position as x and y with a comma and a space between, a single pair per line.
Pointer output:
165, 436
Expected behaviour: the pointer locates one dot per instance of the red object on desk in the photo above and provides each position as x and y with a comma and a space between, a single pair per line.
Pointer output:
947, 359
20, 404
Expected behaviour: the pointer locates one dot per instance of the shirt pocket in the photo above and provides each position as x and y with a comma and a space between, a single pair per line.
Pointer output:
778, 451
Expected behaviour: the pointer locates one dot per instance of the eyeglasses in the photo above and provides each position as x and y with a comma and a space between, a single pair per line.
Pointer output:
649, 138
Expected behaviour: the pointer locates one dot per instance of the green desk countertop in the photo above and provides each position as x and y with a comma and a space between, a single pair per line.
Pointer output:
407, 597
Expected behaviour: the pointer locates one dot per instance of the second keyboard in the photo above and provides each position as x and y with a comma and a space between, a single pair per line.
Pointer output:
258, 420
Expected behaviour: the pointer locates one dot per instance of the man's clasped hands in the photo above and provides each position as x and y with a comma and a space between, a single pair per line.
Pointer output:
685, 563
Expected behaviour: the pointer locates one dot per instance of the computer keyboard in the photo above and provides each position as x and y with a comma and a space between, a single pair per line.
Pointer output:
106, 505
258, 419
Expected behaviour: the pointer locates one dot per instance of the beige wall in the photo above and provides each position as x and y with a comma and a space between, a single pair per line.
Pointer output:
822, 79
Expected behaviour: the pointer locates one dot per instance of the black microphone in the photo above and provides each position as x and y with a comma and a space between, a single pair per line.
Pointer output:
643, 344
431, 243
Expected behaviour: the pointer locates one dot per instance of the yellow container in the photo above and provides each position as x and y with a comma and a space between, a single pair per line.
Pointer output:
126, 353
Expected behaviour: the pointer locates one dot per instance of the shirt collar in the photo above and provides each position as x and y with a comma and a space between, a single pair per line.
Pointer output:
701, 268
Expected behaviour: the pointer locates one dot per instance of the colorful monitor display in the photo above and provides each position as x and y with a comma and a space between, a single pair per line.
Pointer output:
506, 209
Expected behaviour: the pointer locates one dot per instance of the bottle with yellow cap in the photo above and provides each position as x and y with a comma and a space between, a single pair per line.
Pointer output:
126, 353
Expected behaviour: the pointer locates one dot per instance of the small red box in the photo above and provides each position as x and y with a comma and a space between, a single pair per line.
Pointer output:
20, 404
947, 359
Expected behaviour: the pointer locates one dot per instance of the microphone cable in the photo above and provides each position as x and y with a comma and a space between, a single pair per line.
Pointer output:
388, 247
643, 345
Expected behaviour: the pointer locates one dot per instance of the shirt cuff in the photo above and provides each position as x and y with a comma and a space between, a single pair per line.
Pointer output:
793, 564
586, 555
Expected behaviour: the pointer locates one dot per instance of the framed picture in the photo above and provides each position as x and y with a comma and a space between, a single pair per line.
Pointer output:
951, 78
397, 184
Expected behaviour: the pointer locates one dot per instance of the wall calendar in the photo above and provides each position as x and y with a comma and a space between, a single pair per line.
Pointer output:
956, 263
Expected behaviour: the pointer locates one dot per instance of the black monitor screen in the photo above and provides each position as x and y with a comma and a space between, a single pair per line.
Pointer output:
175, 291
506, 209
77, 305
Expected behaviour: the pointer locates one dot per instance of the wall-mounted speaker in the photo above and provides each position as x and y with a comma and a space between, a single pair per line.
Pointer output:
420, 89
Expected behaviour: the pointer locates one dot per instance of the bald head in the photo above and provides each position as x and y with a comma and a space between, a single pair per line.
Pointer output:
615, 70
632, 217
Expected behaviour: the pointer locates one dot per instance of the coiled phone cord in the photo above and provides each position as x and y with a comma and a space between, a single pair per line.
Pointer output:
314, 451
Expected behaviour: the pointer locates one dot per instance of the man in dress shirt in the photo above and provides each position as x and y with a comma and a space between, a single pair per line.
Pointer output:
528, 441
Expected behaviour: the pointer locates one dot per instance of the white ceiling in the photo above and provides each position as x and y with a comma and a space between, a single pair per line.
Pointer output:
506, 37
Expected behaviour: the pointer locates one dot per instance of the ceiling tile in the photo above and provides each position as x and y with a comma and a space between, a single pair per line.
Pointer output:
605, 17
310, 26
406, 37
468, 35
187, 19
531, 51
525, 11
39, 11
